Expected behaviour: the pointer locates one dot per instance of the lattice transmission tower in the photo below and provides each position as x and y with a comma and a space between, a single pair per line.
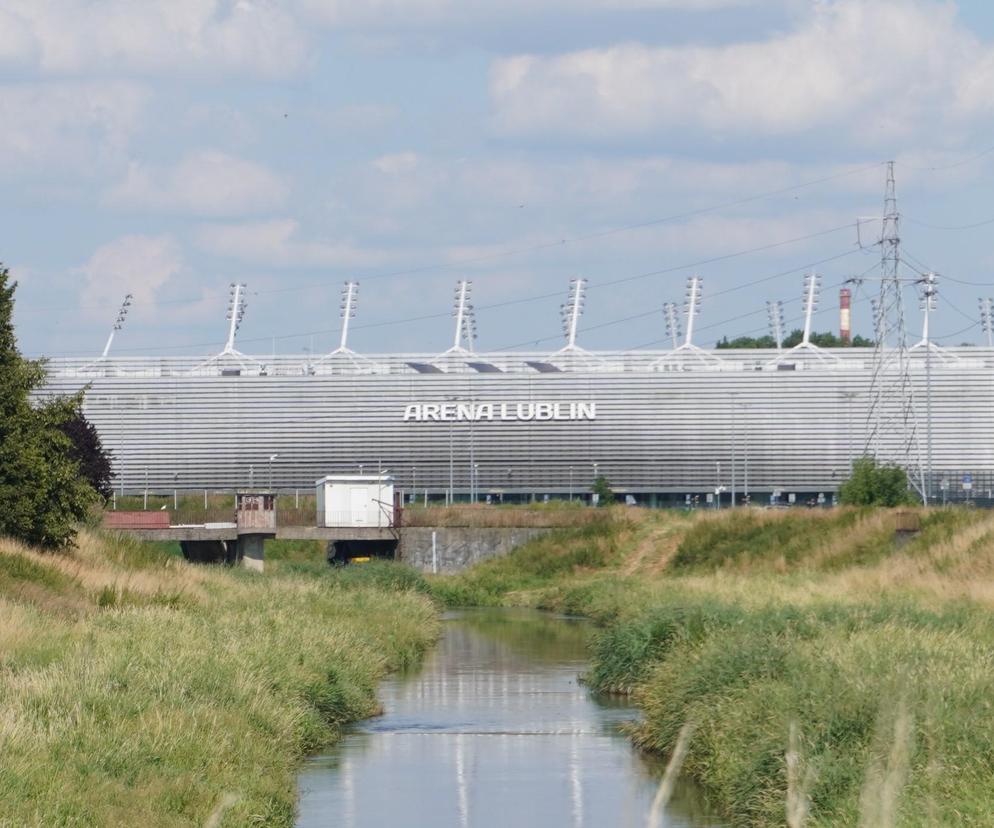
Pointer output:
892, 433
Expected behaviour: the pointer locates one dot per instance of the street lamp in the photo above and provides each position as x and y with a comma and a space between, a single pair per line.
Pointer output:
570, 484
272, 457
717, 485
175, 495
476, 482
452, 462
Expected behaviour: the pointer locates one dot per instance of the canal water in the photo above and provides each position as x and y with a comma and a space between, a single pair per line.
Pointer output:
492, 730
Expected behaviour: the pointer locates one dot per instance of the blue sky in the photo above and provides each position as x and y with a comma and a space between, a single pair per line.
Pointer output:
168, 147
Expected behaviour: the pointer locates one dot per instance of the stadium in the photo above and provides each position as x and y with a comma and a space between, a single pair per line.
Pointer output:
664, 427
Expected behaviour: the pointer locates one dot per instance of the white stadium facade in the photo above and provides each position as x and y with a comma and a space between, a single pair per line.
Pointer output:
660, 426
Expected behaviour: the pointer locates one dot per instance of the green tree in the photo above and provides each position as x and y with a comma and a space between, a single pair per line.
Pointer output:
875, 485
603, 490
822, 340
42, 494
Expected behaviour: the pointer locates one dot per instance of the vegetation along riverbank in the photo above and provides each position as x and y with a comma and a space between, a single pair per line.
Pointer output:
136, 689
835, 672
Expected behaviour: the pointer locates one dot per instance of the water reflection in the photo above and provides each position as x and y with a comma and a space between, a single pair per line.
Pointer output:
493, 730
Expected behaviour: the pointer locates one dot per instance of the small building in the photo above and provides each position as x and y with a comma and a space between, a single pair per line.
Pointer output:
348, 500
255, 512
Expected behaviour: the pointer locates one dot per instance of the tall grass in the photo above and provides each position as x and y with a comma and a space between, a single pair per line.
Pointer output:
188, 697
838, 674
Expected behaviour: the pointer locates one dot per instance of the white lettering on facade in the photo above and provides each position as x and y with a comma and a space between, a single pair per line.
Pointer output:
509, 412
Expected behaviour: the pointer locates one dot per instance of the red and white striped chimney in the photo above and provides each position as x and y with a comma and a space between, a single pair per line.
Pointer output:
845, 315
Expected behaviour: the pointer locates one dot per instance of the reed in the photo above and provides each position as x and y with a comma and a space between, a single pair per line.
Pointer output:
866, 654
138, 690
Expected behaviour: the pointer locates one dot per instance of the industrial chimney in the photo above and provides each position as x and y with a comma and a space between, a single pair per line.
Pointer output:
845, 315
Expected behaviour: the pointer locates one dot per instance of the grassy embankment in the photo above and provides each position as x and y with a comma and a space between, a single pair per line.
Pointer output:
877, 655
138, 690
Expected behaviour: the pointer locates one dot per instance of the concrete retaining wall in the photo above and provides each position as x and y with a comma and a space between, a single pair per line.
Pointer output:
458, 548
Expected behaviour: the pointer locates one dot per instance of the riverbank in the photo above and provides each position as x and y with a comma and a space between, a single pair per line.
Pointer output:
137, 689
864, 657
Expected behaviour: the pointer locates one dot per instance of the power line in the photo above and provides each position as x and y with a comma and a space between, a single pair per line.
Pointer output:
537, 297
449, 265
954, 164
975, 224
654, 311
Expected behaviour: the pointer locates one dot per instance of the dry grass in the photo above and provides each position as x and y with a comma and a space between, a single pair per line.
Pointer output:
539, 516
866, 653
138, 690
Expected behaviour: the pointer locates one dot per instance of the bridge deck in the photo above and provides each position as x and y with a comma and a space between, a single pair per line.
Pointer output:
319, 533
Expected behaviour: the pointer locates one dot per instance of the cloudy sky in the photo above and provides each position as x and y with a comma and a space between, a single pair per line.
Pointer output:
168, 147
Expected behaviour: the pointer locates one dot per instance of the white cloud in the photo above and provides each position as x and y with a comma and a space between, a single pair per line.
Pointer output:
206, 183
68, 124
139, 265
397, 14
834, 71
258, 37
400, 162
277, 243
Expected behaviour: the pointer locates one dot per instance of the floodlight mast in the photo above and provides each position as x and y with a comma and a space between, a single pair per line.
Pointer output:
349, 295
812, 284
774, 310
122, 314
236, 312
672, 323
573, 310
465, 330
347, 310
986, 319
692, 307
927, 303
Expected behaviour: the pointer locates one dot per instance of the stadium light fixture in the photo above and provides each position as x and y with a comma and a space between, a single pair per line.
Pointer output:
122, 314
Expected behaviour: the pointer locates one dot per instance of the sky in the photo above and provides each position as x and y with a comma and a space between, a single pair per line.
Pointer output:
167, 148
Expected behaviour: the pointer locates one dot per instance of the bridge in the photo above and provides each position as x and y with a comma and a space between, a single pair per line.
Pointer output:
432, 539
241, 539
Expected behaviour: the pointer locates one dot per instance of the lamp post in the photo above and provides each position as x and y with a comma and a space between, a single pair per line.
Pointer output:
848, 396
175, 494
272, 457
717, 485
734, 437
145, 505
570, 484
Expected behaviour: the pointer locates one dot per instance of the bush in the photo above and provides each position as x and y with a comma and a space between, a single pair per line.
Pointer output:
876, 485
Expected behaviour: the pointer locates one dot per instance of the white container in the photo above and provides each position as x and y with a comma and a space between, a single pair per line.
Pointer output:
355, 500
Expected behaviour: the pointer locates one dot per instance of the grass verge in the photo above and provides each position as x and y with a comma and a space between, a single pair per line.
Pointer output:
816, 652
136, 689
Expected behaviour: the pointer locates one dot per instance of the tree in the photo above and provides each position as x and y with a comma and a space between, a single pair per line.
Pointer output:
89, 452
822, 340
42, 494
875, 485
603, 490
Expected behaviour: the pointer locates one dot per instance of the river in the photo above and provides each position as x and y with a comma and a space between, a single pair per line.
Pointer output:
492, 730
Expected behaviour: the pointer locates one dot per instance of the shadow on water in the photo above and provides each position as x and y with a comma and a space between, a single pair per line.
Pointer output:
494, 729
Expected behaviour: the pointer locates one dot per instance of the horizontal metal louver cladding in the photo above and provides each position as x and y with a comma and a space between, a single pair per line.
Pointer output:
662, 420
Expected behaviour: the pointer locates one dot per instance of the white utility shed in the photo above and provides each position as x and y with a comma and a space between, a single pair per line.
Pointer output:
355, 500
